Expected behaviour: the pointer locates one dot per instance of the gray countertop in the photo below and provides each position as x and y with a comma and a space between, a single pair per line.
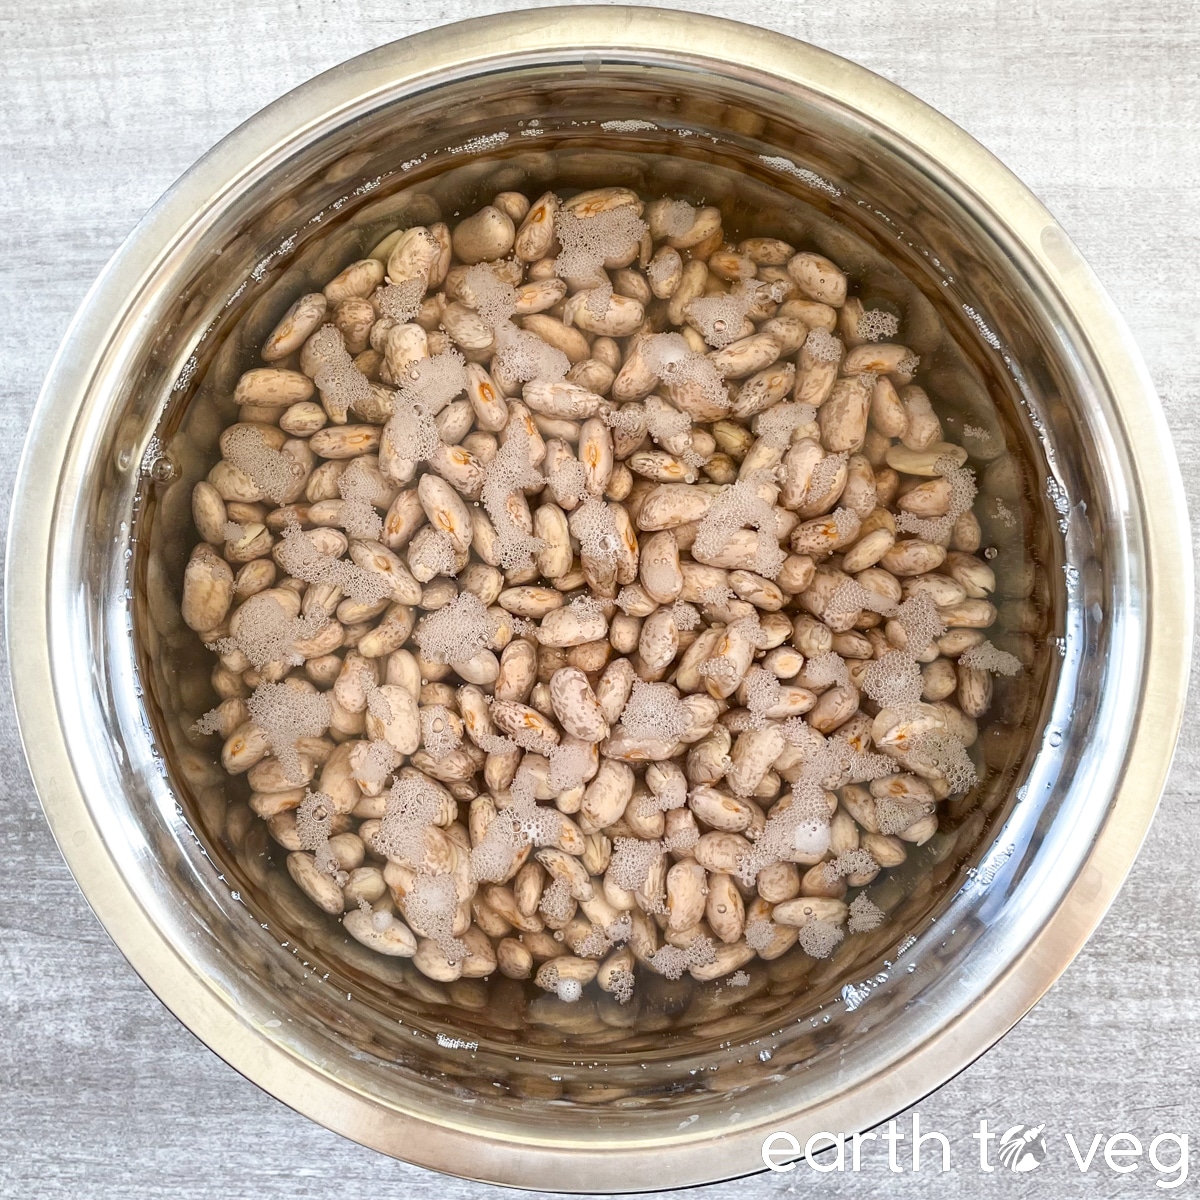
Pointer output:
1094, 103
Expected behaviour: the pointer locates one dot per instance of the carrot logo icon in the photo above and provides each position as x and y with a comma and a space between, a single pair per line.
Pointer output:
1022, 1148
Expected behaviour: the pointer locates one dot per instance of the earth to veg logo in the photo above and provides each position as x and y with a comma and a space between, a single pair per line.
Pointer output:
1019, 1148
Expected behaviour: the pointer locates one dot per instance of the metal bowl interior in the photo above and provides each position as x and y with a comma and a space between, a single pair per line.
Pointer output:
1021, 345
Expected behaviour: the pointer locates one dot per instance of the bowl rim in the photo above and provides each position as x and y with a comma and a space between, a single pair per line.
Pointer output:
476, 45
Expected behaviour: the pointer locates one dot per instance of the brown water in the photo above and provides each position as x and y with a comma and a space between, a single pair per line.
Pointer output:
380, 1003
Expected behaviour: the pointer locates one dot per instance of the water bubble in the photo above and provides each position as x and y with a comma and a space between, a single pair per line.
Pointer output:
163, 470
569, 990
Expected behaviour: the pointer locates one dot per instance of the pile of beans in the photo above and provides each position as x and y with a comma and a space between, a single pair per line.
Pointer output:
591, 595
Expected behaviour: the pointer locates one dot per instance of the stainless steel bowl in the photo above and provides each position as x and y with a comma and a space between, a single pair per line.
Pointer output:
1099, 569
